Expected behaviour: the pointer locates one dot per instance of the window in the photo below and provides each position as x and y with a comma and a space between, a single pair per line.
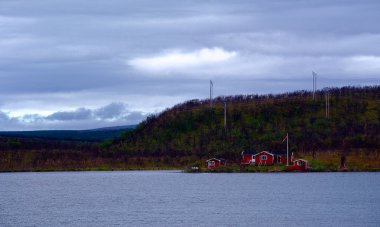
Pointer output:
211, 163
299, 163
263, 157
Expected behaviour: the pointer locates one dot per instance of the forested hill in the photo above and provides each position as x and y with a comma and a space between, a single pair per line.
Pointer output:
91, 135
260, 122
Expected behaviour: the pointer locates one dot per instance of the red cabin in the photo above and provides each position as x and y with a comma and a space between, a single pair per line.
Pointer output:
265, 158
299, 165
214, 163
247, 158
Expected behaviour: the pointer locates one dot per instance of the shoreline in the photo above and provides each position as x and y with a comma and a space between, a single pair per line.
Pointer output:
182, 170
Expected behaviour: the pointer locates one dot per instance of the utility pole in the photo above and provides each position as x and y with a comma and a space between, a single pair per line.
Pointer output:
211, 92
328, 106
225, 115
327, 95
287, 149
314, 83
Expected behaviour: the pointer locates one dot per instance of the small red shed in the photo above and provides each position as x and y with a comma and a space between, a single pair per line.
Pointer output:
299, 165
280, 157
248, 158
214, 163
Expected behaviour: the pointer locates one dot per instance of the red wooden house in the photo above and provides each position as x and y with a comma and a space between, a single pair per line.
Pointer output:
265, 158
299, 165
214, 163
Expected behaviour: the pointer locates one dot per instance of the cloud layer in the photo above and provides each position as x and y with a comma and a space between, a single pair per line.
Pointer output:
78, 60
113, 114
180, 62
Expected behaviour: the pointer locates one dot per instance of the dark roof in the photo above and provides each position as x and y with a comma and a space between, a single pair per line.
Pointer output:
280, 153
219, 159
274, 153
248, 152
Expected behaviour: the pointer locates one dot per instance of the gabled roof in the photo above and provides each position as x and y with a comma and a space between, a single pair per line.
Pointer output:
264, 152
282, 153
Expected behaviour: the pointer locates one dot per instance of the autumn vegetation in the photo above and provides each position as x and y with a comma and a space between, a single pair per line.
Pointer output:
191, 132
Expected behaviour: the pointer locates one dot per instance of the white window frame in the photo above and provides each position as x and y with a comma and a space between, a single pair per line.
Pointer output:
263, 157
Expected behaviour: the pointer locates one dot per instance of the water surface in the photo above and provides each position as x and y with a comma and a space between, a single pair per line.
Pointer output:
172, 198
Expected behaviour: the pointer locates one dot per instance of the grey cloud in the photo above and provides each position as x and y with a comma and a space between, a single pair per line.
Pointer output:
7, 122
135, 116
113, 110
295, 44
113, 114
32, 118
3, 116
72, 53
108, 112
79, 114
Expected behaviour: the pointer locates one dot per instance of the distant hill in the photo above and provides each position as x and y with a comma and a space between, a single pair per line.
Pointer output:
260, 122
98, 134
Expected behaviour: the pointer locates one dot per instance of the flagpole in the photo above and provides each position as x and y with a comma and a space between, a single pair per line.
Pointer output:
287, 149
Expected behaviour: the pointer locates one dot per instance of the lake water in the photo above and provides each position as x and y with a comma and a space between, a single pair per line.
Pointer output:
172, 198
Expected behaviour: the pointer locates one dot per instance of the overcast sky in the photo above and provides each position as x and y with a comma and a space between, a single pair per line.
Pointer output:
79, 64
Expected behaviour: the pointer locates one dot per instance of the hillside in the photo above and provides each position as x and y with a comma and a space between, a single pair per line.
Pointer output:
192, 132
260, 122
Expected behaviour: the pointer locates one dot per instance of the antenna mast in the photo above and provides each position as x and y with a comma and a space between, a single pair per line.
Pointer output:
225, 115
327, 94
211, 92
328, 106
314, 84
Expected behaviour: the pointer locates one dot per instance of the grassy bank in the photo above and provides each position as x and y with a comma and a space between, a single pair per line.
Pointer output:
12, 161
324, 162
89, 169
58, 160
355, 161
